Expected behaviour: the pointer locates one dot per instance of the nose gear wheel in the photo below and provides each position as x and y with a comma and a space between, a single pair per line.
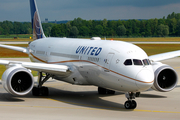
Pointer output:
130, 104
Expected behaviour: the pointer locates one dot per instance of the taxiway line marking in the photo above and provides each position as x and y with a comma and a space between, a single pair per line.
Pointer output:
155, 111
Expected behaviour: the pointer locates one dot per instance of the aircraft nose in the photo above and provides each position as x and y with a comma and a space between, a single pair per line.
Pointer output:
145, 79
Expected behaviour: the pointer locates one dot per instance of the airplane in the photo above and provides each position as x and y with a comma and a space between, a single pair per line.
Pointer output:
109, 65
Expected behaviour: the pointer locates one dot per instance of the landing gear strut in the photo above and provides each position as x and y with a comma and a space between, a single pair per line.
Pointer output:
130, 104
138, 94
41, 90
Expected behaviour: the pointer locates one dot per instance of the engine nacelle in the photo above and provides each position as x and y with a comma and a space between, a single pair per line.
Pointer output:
17, 80
165, 79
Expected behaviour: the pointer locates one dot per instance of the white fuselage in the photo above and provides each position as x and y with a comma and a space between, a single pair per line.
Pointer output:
96, 62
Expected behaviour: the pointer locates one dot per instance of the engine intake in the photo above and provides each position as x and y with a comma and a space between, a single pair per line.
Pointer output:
166, 78
18, 80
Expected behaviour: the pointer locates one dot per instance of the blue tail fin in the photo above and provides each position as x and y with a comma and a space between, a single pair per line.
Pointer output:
36, 22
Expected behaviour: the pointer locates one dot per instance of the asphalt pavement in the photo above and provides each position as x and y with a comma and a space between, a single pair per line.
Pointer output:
72, 102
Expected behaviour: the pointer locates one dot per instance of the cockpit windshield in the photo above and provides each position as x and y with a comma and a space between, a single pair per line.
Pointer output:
128, 62
137, 62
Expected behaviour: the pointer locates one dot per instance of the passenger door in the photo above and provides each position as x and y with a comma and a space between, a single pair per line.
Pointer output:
108, 60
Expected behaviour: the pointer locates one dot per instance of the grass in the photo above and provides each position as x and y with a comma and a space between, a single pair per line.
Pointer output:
152, 49
12, 39
3, 68
16, 35
145, 39
7, 53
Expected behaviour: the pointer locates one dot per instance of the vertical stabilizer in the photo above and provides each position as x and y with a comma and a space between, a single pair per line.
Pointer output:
36, 22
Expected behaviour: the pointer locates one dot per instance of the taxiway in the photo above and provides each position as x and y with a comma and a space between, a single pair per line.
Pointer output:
72, 102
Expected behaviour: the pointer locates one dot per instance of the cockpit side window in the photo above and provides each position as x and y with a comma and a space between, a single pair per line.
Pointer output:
137, 62
146, 62
128, 62
149, 61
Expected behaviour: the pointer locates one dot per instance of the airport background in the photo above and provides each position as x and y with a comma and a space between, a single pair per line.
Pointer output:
164, 27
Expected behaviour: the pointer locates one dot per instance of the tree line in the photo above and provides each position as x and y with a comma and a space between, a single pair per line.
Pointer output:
169, 26
8, 27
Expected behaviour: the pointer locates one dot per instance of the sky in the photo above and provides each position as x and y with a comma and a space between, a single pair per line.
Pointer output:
19, 10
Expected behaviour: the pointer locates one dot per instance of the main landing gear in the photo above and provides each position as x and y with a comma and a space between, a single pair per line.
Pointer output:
41, 90
130, 104
104, 91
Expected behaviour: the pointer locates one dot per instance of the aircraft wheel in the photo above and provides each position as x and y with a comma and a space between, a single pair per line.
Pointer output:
111, 92
104, 91
134, 104
128, 104
44, 91
35, 91
101, 90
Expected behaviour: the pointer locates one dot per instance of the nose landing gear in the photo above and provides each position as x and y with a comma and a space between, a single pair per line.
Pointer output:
130, 104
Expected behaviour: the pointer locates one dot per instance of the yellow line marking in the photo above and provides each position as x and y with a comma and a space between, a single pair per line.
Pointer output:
176, 67
154, 111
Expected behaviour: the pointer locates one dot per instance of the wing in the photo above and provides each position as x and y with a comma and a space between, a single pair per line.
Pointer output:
20, 49
164, 56
61, 70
